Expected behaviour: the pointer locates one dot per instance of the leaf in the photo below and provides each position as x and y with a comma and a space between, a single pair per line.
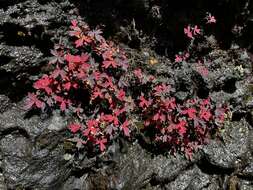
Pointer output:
196, 30
121, 95
125, 128
63, 106
43, 84
79, 42
210, 19
107, 64
138, 73
73, 58
101, 143
74, 23
32, 100
178, 59
67, 86
96, 34
188, 32
75, 127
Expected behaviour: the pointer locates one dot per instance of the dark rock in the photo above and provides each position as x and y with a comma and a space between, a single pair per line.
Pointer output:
27, 31
15, 120
192, 179
4, 103
27, 167
74, 183
245, 185
247, 172
137, 169
226, 155
32, 155
2, 183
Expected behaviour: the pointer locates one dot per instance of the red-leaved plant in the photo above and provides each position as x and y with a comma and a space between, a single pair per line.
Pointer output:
88, 82
179, 127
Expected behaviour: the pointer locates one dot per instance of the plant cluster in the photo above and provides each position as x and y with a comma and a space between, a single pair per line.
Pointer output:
89, 81
180, 127
177, 126
86, 81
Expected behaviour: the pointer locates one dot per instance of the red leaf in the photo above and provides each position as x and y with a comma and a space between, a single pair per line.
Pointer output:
144, 103
74, 127
101, 144
117, 112
58, 72
121, 95
79, 42
188, 32
32, 100
84, 57
58, 98
74, 23
43, 84
210, 19
162, 88
67, 86
181, 127
170, 103
107, 64
178, 59
125, 128
138, 73
92, 127
205, 114
196, 30
63, 106
191, 112
97, 93
73, 58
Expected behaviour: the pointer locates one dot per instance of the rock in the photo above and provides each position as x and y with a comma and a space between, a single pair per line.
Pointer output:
213, 183
190, 179
26, 166
137, 168
34, 170
4, 103
27, 32
227, 155
57, 123
2, 183
15, 119
245, 185
248, 170
32, 156
75, 183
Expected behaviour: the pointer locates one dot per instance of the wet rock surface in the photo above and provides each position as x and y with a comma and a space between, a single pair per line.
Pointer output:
32, 150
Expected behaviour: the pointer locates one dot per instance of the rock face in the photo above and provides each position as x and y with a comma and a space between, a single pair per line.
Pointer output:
32, 151
32, 156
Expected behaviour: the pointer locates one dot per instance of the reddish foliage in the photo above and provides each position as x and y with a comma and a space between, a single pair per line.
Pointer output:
93, 72
191, 32
182, 127
74, 127
88, 82
210, 19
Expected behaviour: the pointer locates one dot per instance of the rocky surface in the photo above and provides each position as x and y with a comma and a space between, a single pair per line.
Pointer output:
33, 150
32, 156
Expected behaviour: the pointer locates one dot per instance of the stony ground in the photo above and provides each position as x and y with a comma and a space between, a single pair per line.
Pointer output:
33, 148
